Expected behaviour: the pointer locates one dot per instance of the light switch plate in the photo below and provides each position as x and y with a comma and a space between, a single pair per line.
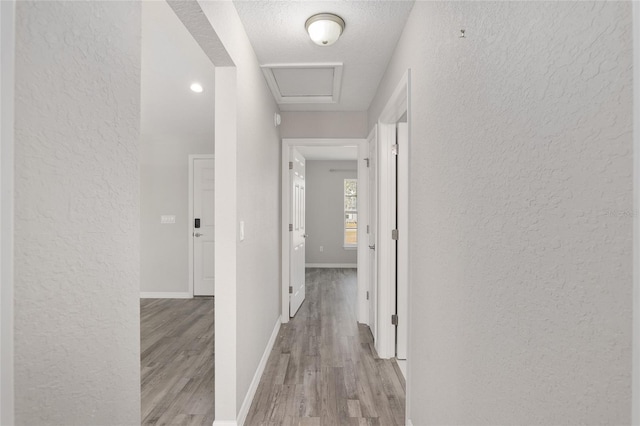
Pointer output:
167, 219
242, 230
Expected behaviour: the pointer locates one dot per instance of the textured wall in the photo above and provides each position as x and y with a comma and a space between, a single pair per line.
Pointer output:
325, 211
258, 198
7, 87
77, 213
304, 124
521, 211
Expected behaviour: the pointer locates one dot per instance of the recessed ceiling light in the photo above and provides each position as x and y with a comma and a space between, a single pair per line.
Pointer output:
196, 87
324, 28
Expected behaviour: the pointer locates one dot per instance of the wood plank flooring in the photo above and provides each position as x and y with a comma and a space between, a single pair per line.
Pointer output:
177, 364
323, 369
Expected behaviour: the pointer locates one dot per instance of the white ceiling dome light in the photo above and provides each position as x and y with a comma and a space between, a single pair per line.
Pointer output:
196, 87
324, 28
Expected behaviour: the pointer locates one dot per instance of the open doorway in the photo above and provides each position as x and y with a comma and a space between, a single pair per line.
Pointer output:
176, 188
327, 213
392, 281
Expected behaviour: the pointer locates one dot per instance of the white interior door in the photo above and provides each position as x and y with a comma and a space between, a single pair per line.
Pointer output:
203, 227
402, 224
373, 228
298, 235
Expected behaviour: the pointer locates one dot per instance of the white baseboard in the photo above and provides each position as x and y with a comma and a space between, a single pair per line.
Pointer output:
331, 265
225, 423
253, 387
165, 295
402, 363
409, 422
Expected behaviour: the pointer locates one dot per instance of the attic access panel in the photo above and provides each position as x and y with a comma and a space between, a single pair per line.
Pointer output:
304, 83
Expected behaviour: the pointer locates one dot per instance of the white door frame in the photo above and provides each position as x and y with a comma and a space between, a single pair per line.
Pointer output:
192, 158
7, 41
395, 108
398, 104
372, 286
635, 392
362, 308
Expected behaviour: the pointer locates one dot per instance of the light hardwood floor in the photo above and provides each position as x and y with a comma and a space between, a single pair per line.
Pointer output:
176, 339
323, 369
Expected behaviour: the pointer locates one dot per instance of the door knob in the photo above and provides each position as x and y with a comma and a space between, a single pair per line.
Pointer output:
372, 246
305, 236
197, 234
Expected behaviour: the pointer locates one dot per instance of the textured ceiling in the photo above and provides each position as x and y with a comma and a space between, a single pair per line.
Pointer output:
276, 31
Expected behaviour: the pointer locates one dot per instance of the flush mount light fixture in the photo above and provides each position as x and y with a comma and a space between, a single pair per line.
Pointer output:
196, 87
324, 28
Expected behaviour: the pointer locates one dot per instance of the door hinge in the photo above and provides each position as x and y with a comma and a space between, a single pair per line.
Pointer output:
290, 165
394, 234
290, 289
367, 160
394, 319
394, 149
291, 227
367, 229
367, 295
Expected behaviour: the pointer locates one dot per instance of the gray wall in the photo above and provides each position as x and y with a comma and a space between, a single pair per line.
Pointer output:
258, 199
174, 124
164, 184
325, 212
521, 211
77, 281
303, 124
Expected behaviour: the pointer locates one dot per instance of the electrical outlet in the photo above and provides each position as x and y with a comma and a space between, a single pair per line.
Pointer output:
321, 249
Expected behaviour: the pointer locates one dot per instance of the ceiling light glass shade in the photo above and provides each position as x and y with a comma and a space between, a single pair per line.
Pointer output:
325, 28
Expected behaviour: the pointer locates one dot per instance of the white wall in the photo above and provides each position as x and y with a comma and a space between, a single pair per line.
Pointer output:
77, 115
302, 124
175, 122
325, 212
521, 211
258, 199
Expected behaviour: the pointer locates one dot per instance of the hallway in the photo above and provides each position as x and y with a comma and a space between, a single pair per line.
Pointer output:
323, 369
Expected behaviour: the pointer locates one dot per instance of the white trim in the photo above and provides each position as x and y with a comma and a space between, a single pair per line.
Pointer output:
402, 223
287, 144
225, 423
399, 103
402, 365
635, 376
395, 108
371, 257
267, 70
193, 157
385, 247
7, 94
253, 387
331, 265
165, 295
409, 422
284, 238
226, 285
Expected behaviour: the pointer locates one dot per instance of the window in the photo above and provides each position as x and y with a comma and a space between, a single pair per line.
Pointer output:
350, 212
